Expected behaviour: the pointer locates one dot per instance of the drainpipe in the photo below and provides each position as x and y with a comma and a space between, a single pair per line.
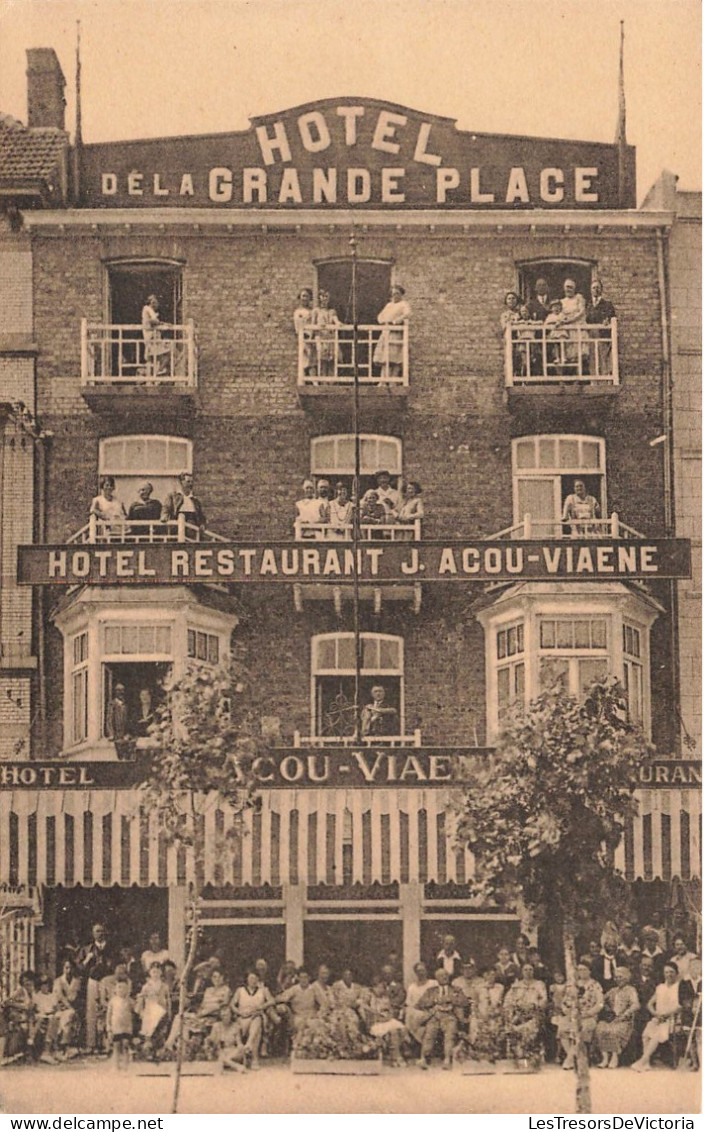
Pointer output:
669, 472
41, 447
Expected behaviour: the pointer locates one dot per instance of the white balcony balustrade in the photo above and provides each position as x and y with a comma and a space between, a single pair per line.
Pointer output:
142, 531
346, 741
328, 356
369, 532
531, 528
114, 354
537, 354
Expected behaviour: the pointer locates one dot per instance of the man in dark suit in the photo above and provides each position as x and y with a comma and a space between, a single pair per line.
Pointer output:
599, 314
539, 305
184, 502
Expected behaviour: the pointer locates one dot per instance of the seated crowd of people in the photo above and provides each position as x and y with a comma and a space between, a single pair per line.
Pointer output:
631, 998
320, 513
547, 332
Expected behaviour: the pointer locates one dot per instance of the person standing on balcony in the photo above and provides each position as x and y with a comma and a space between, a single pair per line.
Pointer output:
324, 321
309, 513
580, 510
599, 314
539, 305
412, 507
144, 510
388, 352
573, 310
155, 348
302, 321
378, 718
341, 512
107, 509
184, 502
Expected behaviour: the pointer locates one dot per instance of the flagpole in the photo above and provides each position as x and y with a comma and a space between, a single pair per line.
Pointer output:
78, 138
356, 532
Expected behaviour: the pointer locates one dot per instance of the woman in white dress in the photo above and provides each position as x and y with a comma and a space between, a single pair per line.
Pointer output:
302, 319
664, 1006
579, 510
107, 509
324, 321
388, 352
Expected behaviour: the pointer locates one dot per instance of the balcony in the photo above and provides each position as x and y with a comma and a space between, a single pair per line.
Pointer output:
562, 363
529, 528
326, 366
120, 371
385, 532
142, 531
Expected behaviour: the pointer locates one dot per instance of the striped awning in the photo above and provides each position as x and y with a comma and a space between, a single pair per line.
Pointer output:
297, 837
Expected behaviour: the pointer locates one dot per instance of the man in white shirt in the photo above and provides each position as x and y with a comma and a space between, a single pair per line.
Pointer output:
309, 513
449, 957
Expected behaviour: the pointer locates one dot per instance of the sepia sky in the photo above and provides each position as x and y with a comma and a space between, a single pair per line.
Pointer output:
545, 67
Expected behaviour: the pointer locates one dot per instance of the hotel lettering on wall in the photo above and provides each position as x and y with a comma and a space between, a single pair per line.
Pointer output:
374, 562
321, 767
351, 152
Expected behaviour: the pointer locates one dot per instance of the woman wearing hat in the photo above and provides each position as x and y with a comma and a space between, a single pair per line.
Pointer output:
388, 352
613, 1031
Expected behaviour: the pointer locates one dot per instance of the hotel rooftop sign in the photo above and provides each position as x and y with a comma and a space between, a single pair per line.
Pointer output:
375, 563
357, 153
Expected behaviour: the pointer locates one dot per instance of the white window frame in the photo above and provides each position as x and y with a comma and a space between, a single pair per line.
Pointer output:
199, 631
574, 654
633, 670
337, 467
79, 643
122, 471
513, 661
556, 473
93, 613
336, 670
533, 604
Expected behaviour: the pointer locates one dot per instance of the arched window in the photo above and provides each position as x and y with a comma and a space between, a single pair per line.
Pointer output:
333, 677
545, 469
373, 286
554, 271
332, 457
133, 459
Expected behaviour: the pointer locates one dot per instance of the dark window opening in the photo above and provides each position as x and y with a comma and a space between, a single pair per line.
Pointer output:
373, 288
334, 708
554, 272
143, 685
130, 286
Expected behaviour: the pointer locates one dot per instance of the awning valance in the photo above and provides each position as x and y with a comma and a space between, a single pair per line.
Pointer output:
307, 836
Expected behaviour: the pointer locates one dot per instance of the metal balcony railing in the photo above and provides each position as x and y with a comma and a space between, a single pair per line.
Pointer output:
327, 355
389, 532
113, 354
337, 741
539, 354
142, 531
530, 528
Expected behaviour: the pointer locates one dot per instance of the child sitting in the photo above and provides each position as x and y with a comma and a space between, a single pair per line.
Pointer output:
225, 1041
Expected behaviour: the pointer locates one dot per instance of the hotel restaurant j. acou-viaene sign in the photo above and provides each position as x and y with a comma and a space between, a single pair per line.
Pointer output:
336, 563
294, 767
357, 153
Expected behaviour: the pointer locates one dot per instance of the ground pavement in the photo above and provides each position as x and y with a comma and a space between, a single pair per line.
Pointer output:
92, 1086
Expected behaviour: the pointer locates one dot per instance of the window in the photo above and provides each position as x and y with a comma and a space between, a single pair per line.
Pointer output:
203, 646
545, 469
554, 272
510, 666
137, 657
574, 651
332, 457
79, 688
633, 671
134, 459
538, 634
373, 286
333, 678
131, 282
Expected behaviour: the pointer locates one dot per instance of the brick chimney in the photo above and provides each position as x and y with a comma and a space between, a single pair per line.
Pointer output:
45, 89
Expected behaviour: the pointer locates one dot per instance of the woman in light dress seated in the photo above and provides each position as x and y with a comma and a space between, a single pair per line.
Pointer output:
388, 352
614, 1029
665, 1008
586, 993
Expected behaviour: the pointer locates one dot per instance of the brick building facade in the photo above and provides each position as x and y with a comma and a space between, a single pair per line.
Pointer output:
496, 427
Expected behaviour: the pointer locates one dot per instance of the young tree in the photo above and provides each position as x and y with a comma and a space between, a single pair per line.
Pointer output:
546, 813
205, 740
